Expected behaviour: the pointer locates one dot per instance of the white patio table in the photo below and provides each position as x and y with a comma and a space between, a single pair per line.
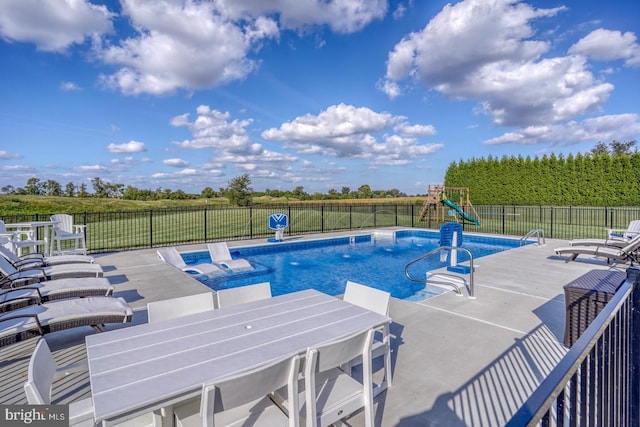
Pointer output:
140, 369
30, 228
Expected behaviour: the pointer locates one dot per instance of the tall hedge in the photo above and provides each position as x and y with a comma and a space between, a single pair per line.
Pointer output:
580, 180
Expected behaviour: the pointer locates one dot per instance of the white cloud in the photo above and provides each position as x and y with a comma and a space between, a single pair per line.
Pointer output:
91, 168
5, 155
128, 147
176, 163
53, 25
604, 128
190, 45
347, 131
69, 86
342, 16
607, 45
497, 61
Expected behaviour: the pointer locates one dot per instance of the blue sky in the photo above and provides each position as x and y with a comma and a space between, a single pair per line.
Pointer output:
321, 94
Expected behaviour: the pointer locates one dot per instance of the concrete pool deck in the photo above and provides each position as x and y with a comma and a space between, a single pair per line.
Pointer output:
456, 361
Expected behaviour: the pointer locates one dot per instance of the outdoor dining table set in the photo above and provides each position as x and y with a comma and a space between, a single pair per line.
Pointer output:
151, 367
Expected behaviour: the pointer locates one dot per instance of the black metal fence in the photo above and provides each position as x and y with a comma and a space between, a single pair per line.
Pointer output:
108, 231
597, 383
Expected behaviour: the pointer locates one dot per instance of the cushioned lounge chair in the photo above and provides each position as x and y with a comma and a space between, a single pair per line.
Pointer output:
34, 320
13, 298
37, 260
629, 253
172, 256
34, 275
612, 243
220, 254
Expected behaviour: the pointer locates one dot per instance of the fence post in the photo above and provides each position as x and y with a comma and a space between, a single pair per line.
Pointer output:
551, 220
504, 218
205, 224
635, 347
151, 228
250, 222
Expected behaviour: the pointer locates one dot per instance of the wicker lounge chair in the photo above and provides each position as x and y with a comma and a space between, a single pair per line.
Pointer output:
12, 298
35, 320
220, 254
629, 253
37, 260
34, 275
172, 256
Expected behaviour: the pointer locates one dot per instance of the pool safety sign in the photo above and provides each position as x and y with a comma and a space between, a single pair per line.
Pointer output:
278, 222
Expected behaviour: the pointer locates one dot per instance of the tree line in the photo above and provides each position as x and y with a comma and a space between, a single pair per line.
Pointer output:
609, 175
238, 191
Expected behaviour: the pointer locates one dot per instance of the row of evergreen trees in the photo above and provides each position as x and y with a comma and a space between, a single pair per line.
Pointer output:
595, 179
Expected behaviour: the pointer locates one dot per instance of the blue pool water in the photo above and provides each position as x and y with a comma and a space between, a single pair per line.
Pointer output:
327, 264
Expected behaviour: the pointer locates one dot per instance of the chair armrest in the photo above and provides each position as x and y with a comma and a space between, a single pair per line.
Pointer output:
79, 228
34, 256
28, 264
38, 273
3, 292
20, 316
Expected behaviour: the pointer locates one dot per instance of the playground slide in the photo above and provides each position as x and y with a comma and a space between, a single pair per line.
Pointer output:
461, 212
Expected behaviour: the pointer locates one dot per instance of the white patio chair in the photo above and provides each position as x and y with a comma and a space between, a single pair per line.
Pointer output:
377, 301
243, 294
16, 240
220, 254
181, 306
65, 229
330, 394
41, 374
242, 400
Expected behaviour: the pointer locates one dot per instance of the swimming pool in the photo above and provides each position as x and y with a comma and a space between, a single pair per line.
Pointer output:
327, 264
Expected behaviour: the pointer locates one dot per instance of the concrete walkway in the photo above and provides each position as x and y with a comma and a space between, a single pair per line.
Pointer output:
457, 361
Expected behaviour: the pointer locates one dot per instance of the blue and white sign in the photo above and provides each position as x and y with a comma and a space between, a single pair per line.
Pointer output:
278, 221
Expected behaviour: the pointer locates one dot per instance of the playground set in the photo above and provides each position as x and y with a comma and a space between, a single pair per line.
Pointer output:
445, 202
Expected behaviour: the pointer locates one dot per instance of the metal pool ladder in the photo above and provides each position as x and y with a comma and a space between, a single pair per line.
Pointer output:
538, 232
456, 288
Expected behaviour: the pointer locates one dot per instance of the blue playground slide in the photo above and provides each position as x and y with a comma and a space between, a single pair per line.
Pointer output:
461, 212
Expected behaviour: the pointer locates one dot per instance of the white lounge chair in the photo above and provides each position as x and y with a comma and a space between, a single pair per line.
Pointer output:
377, 301
330, 394
181, 306
51, 290
242, 400
42, 373
33, 320
64, 230
220, 254
36, 260
34, 275
243, 294
629, 253
631, 231
172, 256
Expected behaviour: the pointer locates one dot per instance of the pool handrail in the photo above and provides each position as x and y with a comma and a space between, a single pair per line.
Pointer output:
435, 251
